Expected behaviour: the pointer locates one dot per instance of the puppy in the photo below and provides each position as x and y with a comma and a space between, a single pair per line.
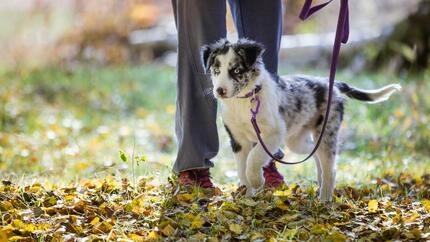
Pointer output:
291, 112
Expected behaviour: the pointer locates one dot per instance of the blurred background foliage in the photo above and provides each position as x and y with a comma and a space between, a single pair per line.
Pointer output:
81, 80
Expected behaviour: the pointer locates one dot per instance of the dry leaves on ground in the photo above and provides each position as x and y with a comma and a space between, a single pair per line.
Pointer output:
394, 208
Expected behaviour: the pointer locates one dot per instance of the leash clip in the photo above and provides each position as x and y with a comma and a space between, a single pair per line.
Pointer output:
257, 106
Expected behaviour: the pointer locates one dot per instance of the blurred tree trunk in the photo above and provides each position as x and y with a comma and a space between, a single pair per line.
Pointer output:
407, 48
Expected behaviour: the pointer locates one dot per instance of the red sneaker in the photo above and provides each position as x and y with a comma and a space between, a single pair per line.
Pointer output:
196, 177
271, 175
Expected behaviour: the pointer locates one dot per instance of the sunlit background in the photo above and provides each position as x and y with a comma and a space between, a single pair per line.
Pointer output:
81, 81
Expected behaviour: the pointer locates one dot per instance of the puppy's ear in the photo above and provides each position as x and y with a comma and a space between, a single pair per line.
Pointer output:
206, 53
210, 52
249, 50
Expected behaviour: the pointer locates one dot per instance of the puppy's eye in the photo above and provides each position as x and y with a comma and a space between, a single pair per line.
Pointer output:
216, 70
236, 71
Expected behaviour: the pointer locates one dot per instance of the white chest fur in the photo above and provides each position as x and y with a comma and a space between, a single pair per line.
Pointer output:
237, 115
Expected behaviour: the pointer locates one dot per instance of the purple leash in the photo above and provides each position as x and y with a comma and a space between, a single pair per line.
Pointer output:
342, 33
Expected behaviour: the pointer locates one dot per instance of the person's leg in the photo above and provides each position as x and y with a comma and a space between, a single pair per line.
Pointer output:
261, 21
198, 23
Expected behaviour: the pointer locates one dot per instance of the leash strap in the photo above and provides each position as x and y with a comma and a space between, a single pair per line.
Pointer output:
342, 33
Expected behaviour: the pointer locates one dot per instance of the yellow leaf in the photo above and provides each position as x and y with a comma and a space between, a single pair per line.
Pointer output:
256, 236
50, 201
69, 198
104, 227
5, 206
35, 188
95, 221
18, 224
426, 204
372, 206
338, 199
198, 222
284, 193
168, 230
229, 206
18, 238
397, 219
418, 181
152, 236
336, 237
184, 197
281, 205
318, 229
235, 228
135, 237
412, 218
3, 235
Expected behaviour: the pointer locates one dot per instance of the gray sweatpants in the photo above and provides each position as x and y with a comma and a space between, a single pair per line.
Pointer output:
201, 22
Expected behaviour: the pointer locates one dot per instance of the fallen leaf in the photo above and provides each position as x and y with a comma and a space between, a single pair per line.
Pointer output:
412, 218
290, 233
283, 193
372, 206
95, 221
184, 197
153, 236
281, 204
235, 228
5, 206
3, 236
248, 202
335, 237
197, 222
318, 229
426, 204
168, 230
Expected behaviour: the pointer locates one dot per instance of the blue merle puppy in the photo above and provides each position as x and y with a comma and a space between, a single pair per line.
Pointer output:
291, 112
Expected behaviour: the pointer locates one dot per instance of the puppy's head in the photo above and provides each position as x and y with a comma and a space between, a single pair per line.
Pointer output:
233, 66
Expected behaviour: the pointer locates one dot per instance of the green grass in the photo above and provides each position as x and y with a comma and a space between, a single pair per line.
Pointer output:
71, 124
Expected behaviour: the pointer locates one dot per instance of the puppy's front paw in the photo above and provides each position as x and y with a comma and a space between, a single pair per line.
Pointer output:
255, 179
252, 192
249, 192
325, 196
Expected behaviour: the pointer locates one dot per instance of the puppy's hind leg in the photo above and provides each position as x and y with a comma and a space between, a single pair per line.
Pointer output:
319, 170
301, 143
326, 157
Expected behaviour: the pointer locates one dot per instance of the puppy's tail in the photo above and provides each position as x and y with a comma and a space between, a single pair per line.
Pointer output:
370, 96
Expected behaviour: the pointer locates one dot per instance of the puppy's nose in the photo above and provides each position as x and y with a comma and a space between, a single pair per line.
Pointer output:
221, 91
